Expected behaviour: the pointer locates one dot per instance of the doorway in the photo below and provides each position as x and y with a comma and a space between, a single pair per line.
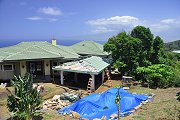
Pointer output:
36, 68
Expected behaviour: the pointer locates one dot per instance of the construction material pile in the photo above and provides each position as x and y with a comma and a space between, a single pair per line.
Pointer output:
60, 101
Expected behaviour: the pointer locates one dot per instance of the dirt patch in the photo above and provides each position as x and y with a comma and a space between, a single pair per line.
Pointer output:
105, 85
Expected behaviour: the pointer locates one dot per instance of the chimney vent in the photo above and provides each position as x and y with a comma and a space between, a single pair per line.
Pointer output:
53, 42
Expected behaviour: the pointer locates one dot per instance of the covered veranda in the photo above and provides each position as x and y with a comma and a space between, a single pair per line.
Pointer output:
94, 66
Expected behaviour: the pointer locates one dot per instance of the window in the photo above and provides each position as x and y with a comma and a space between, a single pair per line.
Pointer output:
7, 67
39, 68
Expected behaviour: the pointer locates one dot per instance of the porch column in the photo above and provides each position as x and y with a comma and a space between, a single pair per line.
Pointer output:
102, 76
93, 82
23, 68
47, 69
61, 78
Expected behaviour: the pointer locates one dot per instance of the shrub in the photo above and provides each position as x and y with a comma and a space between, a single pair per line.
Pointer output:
26, 99
157, 75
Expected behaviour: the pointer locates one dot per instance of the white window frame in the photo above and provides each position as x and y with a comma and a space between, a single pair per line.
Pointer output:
8, 70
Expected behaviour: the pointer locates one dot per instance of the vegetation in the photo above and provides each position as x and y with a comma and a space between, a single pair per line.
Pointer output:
125, 52
26, 100
174, 61
175, 45
141, 55
157, 74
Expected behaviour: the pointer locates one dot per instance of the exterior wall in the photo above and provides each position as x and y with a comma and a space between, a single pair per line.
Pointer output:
6, 74
47, 69
23, 68
17, 71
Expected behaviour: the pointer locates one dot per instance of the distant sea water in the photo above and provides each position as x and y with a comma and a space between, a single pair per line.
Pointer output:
59, 42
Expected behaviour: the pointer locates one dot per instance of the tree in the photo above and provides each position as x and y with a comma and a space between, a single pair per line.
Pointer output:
125, 51
158, 51
145, 35
140, 55
26, 99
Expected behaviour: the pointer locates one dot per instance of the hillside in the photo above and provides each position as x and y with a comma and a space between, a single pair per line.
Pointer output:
170, 46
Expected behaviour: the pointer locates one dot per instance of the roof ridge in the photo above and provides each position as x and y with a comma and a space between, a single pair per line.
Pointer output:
47, 50
97, 47
65, 50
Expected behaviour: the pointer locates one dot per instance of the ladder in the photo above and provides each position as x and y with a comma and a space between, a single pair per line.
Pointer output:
89, 86
109, 78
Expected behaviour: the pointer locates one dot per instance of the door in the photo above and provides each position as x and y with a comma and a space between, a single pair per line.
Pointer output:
35, 68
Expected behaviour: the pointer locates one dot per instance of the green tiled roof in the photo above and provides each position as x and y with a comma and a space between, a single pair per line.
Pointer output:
89, 48
35, 50
91, 65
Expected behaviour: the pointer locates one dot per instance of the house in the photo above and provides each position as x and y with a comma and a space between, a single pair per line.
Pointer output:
38, 58
89, 48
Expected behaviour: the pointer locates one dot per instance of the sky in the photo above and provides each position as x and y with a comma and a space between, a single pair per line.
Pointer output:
66, 20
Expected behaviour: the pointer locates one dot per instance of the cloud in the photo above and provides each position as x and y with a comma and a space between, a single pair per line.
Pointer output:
165, 24
119, 23
167, 21
115, 23
116, 20
34, 18
50, 11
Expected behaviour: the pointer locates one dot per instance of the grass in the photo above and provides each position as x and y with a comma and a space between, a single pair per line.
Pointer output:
48, 116
164, 107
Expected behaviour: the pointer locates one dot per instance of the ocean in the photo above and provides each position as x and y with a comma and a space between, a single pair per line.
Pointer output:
59, 42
